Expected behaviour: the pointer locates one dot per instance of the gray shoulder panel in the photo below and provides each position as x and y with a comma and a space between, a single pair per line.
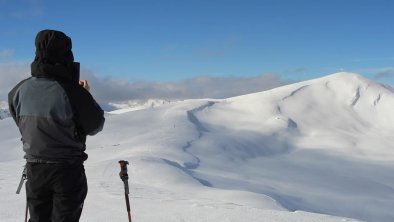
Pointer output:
42, 97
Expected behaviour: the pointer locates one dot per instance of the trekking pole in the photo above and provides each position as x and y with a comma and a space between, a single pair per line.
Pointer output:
23, 178
26, 212
124, 177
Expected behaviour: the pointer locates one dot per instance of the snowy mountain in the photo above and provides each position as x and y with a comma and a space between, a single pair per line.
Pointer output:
133, 105
319, 150
4, 113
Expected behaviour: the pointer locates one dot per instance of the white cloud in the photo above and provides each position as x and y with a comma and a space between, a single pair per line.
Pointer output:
106, 89
6, 54
384, 73
115, 90
10, 75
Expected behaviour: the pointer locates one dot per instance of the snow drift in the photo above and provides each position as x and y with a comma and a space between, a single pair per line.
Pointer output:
318, 150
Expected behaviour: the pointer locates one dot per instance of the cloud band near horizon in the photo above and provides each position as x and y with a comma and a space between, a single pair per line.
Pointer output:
107, 90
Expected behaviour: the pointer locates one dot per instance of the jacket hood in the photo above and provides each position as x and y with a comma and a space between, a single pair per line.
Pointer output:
53, 47
54, 57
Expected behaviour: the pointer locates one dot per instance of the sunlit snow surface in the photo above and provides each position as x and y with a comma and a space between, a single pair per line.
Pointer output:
320, 150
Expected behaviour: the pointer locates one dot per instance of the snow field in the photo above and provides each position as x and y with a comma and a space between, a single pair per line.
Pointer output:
318, 150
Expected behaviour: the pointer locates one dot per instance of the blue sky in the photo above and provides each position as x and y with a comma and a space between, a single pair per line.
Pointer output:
172, 40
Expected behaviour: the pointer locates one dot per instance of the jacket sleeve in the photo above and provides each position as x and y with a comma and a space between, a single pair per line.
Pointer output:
88, 115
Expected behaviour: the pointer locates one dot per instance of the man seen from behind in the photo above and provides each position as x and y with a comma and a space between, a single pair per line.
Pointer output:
54, 112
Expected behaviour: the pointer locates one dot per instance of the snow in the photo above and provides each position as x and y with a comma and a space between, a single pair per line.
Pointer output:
319, 150
133, 105
4, 113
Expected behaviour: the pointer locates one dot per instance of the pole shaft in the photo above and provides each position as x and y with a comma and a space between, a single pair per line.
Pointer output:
26, 212
127, 202
128, 206
129, 217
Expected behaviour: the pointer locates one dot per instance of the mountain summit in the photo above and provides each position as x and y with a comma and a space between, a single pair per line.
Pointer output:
336, 106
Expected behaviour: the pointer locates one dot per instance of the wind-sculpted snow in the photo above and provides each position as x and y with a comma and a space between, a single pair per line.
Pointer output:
295, 91
319, 150
200, 128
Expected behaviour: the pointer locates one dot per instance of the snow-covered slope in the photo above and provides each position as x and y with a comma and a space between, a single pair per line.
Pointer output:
318, 150
344, 106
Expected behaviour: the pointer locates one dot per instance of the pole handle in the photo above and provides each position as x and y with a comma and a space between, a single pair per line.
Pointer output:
123, 170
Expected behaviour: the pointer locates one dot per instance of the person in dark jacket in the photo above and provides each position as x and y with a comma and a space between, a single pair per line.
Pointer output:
54, 112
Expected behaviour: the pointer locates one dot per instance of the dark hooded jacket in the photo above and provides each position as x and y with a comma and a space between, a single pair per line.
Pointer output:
53, 112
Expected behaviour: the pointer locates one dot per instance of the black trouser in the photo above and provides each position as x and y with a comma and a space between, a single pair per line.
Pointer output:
55, 192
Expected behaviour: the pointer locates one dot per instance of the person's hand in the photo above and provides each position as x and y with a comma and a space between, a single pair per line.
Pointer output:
84, 84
